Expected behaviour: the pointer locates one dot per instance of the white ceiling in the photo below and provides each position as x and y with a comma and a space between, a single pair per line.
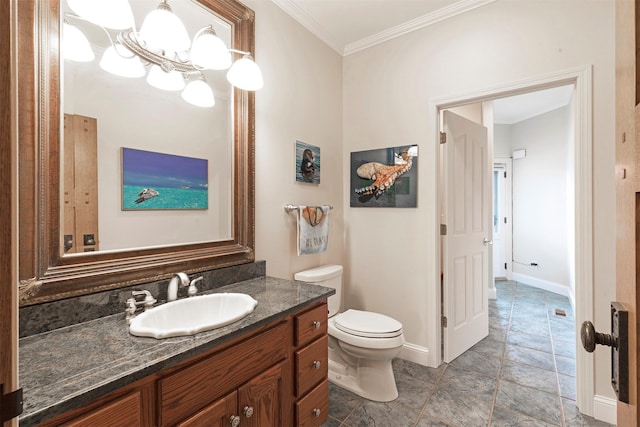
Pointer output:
517, 108
348, 26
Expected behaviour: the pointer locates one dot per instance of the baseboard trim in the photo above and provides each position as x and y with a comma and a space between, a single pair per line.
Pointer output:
492, 292
605, 409
546, 285
416, 354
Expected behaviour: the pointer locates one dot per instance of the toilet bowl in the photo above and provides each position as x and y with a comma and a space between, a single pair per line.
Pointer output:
362, 344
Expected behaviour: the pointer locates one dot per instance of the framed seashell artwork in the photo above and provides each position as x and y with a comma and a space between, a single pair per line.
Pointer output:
385, 177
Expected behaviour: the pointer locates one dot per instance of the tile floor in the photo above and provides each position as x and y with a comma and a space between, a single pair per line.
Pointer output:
522, 374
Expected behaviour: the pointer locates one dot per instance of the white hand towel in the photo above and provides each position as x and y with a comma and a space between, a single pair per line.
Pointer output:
313, 229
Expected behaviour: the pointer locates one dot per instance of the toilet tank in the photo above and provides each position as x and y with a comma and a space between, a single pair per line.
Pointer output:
325, 275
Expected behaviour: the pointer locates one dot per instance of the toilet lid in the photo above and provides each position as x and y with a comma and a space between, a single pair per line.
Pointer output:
367, 324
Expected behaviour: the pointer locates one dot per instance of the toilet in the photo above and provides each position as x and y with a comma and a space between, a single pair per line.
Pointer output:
362, 344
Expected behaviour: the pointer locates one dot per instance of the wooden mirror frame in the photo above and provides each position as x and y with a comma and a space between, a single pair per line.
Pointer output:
44, 274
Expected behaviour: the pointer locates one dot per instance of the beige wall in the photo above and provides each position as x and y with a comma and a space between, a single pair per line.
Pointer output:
378, 98
301, 100
387, 91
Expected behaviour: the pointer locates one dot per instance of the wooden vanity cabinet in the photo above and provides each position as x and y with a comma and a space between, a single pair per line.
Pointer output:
130, 406
311, 367
257, 403
274, 377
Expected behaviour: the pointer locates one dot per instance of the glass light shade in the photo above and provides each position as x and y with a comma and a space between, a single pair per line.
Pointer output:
166, 81
199, 94
114, 14
163, 30
209, 51
75, 46
245, 74
125, 65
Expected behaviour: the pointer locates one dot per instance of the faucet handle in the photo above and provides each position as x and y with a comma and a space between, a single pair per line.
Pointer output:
192, 286
148, 301
130, 310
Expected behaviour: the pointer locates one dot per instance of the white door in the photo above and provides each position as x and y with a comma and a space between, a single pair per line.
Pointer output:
465, 252
499, 221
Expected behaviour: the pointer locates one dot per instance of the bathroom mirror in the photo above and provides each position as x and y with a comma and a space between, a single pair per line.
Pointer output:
133, 242
135, 158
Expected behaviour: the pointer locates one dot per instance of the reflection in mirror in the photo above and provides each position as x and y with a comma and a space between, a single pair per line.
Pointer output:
150, 181
105, 197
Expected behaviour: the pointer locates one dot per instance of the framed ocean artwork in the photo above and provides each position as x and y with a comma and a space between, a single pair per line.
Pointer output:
307, 163
386, 177
152, 181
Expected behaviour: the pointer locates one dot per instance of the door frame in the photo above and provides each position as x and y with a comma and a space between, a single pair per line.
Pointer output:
508, 231
581, 77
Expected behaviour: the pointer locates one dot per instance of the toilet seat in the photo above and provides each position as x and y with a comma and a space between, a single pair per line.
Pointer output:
367, 324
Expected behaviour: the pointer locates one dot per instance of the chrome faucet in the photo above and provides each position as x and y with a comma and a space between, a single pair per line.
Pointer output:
178, 280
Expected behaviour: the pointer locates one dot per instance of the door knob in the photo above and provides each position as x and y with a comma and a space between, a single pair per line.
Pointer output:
487, 242
618, 340
590, 337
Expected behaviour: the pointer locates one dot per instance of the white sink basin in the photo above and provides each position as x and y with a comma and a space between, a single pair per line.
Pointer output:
189, 316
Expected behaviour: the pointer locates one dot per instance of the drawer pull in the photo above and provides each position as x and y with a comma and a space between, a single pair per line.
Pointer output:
316, 412
316, 324
234, 421
316, 364
248, 411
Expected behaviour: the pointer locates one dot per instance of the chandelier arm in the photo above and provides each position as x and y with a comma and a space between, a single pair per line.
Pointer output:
242, 52
130, 41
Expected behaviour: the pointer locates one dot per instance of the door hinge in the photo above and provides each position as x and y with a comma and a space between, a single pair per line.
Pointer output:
444, 321
505, 265
505, 174
505, 219
443, 229
443, 138
11, 404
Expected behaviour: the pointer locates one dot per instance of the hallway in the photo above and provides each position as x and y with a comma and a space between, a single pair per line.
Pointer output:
522, 374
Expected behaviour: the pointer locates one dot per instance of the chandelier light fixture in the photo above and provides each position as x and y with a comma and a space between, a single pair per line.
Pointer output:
173, 60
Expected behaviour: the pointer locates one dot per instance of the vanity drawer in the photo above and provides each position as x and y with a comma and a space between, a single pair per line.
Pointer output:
189, 390
311, 325
312, 364
313, 409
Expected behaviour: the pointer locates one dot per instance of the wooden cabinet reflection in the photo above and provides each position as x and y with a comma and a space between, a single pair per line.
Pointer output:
80, 169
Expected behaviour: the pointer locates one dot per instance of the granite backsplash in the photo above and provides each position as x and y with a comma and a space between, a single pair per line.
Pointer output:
45, 317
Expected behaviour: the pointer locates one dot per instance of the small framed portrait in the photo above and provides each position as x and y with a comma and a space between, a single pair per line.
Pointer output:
307, 163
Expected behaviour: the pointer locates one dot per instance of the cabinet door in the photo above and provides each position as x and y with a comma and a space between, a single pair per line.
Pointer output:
124, 412
220, 413
261, 400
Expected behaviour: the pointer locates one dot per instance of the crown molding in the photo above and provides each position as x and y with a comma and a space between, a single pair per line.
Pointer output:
455, 9
303, 18
292, 9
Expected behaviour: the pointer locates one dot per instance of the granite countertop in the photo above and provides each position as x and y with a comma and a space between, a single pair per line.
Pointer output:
68, 367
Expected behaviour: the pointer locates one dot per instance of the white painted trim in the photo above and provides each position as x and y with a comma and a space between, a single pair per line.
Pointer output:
487, 122
581, 77
307, 21
508, 234
605, 409
416, 354
447, 12
556, 288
